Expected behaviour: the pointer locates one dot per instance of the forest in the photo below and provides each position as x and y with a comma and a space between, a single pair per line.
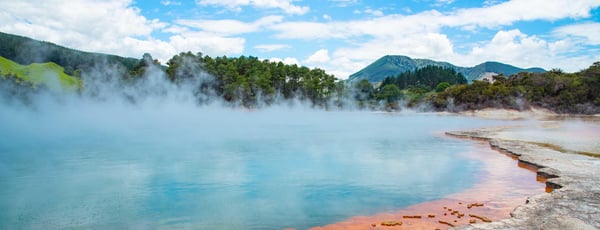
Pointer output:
246, 81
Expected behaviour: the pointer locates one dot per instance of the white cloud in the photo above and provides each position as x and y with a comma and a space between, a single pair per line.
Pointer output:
89, 25
170, 3
158, 49
391, 25
236, 5
369, 11
512, 46
207, 43
376, 13
590, 32
319, 57
491, 2
419, 35
112, 26
327, 17
509, 12
515, 47
287, 60
228, 27
271, 47
443, 2
493, 16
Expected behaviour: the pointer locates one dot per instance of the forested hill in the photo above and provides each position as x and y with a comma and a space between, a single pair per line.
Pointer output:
245, 80
393, 65
26, 51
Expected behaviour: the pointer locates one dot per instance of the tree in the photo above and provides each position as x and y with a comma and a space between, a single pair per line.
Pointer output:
362, 90
442, 86
390, 93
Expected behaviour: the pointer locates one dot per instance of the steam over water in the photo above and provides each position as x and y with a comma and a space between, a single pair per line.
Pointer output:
169, 165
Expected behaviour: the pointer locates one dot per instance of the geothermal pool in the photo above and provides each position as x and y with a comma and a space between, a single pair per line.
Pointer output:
173, 167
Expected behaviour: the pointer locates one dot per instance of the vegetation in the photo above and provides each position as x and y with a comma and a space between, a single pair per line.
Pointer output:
411, 86
251, 82
25, 51
554, 90
49, 74
427, 77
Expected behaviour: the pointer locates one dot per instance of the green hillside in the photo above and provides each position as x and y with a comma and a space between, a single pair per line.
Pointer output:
49, 74
24, 50
393, 65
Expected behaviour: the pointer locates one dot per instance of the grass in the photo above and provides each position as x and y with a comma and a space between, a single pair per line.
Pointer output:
49, 74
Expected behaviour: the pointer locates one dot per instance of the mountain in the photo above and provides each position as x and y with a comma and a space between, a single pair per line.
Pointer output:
478, 71
392, 65
26, 51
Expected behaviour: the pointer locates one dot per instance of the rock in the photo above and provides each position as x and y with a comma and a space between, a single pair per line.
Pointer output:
474, 205
482, 218
566, 223
391, 223
575, 179
446, 223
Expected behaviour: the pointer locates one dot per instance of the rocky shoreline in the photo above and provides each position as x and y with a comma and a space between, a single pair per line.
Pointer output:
574, 202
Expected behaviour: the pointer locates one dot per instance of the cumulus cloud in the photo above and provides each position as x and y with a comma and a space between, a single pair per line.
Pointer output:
92, 25
236, 5
112, 26
287, 60
319, 57
514, 46
510, 46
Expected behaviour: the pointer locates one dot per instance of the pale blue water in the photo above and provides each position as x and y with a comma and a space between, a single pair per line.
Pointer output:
113, 168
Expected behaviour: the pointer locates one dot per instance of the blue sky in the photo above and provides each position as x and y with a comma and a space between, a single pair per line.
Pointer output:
340, 36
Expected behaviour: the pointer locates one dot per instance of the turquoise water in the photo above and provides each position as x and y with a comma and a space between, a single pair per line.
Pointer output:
169, 167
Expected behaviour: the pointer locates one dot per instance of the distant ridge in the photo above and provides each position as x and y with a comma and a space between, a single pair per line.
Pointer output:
392, 65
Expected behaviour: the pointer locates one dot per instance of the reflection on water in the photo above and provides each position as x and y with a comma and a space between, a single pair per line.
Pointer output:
501, 186
223, 169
